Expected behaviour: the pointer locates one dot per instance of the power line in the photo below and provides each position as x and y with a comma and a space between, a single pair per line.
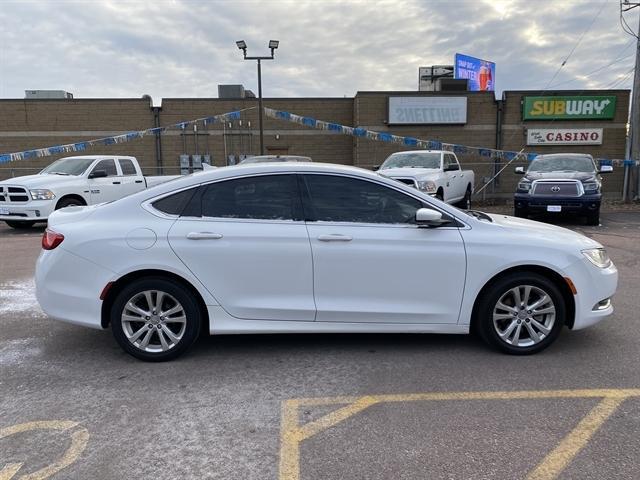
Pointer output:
618, 60
576, 45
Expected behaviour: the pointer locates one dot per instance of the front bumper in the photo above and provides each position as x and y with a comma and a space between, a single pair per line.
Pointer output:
34, 211
593, 286
532, 204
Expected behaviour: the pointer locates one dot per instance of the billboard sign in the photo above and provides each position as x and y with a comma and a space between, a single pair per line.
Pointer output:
427, 110
481, 74
564, 136
601, 107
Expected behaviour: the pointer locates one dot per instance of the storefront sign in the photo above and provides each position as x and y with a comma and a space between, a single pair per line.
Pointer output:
564, 136
569, 108
427, 110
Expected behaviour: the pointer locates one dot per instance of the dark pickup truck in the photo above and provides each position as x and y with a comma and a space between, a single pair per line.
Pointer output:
560, 183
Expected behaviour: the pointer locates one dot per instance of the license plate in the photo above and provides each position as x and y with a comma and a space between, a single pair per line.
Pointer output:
554, 208
4, 211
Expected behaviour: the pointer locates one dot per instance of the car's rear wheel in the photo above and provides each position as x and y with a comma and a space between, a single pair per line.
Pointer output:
20, 225
465, 203
594, 218
155, 319
520, 212
521, 313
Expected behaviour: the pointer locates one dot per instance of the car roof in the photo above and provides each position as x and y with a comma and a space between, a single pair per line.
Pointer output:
565, 155
98, 157
422, 151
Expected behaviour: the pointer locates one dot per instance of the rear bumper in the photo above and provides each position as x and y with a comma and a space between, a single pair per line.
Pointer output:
34, 211
583, 205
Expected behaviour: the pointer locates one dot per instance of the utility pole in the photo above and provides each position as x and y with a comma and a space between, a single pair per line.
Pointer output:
633, 143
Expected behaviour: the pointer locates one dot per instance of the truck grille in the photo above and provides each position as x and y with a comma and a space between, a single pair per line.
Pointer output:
409, 181
13, 194
568, 188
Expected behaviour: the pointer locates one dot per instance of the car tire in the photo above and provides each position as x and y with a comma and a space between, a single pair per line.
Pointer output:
69, 202
18, 225
440, 195
505, 325
594, 218
154, 337
465, 203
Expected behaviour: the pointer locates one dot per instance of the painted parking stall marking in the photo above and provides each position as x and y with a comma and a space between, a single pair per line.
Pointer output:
79, 439
293, 434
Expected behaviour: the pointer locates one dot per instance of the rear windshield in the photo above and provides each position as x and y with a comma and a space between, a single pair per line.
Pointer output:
412, 160
69, 166
562, 164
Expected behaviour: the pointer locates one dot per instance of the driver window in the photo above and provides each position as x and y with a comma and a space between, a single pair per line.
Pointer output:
108, 165
451, 163
344, 199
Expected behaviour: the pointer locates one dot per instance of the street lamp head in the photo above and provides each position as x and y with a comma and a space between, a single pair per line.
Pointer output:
273, 44
242, 45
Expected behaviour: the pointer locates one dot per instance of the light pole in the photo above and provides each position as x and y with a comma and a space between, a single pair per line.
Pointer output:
273, 44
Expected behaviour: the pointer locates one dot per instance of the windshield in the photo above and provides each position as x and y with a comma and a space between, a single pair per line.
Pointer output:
412, 160
68, 166
562, 164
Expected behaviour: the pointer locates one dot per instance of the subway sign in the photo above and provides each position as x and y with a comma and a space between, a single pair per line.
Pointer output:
569, 108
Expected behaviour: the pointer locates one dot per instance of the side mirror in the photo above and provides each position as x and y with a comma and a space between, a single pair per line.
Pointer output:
98, 174
606, 169
519, 170
376, 168
429, 217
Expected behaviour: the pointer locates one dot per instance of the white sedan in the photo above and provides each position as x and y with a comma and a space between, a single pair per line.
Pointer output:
295, 247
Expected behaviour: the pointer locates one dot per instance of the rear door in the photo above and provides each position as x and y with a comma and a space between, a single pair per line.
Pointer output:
131, 180
372, 263
246, 241
452, 174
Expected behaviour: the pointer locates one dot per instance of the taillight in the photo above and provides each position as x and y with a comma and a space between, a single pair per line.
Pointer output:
51, 239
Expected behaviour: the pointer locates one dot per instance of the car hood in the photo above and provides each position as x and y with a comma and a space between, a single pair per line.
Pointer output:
539, 232
582, 176
409, 172
40, 181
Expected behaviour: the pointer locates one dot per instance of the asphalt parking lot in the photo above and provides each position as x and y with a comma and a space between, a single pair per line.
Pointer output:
74, 406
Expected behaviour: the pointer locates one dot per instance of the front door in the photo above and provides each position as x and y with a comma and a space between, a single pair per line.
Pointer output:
105, 189
372, 263
246, 241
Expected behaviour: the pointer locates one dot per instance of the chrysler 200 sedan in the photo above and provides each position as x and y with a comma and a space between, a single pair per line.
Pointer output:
294, 247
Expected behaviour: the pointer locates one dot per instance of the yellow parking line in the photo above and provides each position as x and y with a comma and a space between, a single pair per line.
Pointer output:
292, 434
556, 461
79, 439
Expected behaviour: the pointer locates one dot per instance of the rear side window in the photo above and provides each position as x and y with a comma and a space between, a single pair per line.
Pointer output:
108, 165
174, 204
127, 167
344, 199
267, 197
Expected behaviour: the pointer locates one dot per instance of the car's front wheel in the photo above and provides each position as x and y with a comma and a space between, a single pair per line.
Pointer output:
155, 319
521, 313
19, 225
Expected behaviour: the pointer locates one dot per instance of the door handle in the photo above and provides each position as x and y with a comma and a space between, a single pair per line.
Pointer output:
138, 181
204, 236
334, 237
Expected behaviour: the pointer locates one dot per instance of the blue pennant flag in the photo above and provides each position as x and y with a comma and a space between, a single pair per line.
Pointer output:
531, 156
385, 137
5, 158
410, 141
309, 122
334, 127
359, 132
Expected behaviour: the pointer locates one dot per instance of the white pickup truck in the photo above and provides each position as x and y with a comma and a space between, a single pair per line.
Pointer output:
82, 180
435, 172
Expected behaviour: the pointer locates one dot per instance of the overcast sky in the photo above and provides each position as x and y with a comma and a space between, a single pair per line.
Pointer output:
180, 48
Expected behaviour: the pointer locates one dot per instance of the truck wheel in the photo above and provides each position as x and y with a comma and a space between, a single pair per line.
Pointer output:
69, 202
594, 218
20, 225
155, 319
440, 195
465, 203
521, 313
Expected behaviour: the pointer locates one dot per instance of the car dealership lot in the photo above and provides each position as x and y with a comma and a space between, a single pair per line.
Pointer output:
345, 402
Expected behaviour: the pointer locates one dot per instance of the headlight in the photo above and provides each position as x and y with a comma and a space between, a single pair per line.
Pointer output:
427, 186
597, 256
591, 187
42, 195
524, 185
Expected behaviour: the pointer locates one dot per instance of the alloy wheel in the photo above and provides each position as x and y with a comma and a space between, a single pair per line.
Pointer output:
153, 321
524, 316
